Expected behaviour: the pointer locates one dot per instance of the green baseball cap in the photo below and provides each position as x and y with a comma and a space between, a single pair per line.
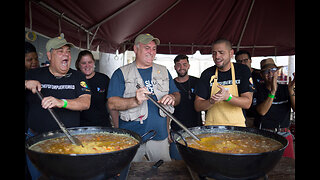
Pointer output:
57, 42
145, 39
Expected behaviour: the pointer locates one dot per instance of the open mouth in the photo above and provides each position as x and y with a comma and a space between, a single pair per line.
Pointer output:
218, 61
65, 62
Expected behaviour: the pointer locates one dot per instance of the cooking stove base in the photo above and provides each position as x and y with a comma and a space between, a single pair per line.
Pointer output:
219, 177
123, 176
98, 178
215, 176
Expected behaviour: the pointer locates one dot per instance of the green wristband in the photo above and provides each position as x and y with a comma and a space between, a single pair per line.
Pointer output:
65, 103
230, 97
270, 95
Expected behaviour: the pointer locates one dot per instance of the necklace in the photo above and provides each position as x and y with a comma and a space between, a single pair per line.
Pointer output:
187, 91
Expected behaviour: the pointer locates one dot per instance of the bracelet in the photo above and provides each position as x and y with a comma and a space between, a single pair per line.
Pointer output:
270, 95
65, 103
230, 97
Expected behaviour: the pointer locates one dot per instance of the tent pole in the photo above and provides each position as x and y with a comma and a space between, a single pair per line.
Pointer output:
44, 5
88, 43
95, 33
245, 25
205, 46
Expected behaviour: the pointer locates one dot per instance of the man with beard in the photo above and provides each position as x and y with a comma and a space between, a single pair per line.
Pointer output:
223, 89
185, 111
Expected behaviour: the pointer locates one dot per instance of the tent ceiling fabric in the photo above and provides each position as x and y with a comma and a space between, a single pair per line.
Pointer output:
183, 26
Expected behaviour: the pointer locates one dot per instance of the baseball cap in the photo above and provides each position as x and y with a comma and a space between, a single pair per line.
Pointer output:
145, 39
57, 42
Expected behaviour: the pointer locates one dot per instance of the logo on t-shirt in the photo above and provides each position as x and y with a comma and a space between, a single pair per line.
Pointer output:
149, 86
100, 90
85, 86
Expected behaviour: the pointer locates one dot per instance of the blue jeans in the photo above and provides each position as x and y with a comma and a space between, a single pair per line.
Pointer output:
174, 153
34, 172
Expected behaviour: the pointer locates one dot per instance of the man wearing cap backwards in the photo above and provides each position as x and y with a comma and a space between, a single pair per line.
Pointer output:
274, 103
223, 89
64, 89
137, 113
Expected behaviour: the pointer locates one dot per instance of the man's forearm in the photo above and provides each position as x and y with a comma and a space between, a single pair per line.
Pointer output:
264, 107
121, 104
201, 104
244, 101
79, 104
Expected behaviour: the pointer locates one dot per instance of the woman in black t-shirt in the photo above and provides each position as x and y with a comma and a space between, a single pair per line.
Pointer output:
97, 114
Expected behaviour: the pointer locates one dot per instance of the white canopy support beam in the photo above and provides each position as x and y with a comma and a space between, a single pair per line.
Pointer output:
88, 39
245, 25
95, 33
61, 15
206, 46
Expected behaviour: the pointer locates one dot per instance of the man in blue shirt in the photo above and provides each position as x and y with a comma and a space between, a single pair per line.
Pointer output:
137, 113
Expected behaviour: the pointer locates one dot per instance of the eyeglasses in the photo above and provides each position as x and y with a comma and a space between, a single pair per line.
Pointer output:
243, 60
272, 70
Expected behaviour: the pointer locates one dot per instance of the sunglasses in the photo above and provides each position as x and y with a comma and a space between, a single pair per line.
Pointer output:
272, 70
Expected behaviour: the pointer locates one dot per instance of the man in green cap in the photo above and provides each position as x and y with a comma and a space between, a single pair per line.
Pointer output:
63, 88
137, 113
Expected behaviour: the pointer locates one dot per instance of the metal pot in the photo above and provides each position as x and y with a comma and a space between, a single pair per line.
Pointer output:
83, 166
229, 166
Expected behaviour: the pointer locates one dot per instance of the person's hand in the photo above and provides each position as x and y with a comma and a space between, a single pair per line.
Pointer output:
167, 99
141, 95
32, 85
274, 85
51, 102
222, 94
169, 138
291, 84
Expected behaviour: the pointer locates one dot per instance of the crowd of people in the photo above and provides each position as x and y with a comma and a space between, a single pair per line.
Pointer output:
229, 93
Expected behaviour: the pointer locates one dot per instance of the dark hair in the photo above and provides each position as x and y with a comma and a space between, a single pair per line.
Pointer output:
80, 55
242, 52
28, 47
222, 40
179, 57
